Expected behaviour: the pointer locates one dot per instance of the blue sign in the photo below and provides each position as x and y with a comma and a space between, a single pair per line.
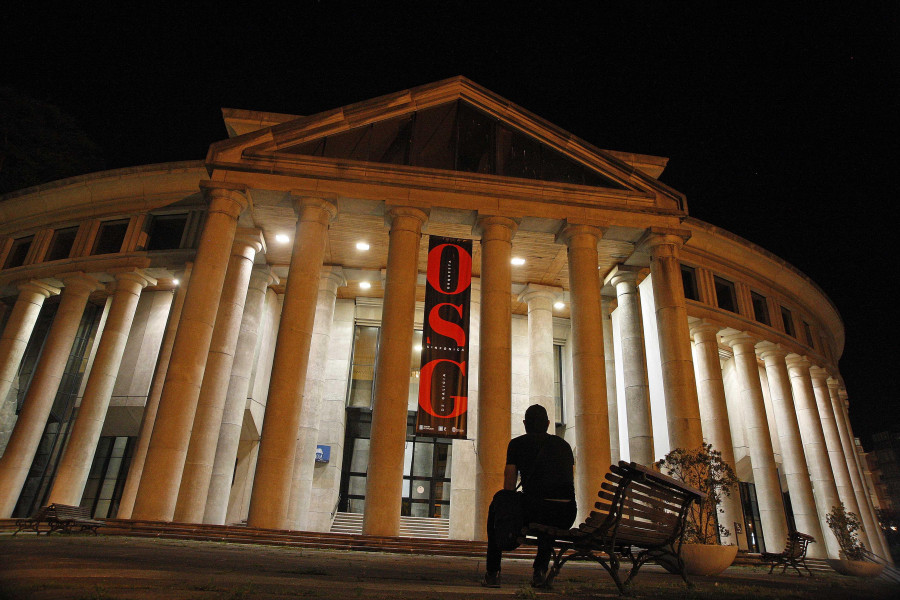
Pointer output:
323, 454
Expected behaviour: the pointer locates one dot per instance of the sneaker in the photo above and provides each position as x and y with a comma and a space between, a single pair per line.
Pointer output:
491, 580
539, 579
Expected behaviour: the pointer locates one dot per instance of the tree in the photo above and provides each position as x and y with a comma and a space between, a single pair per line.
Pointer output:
40, 143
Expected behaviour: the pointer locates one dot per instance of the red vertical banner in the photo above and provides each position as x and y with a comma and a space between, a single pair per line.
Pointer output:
444, 375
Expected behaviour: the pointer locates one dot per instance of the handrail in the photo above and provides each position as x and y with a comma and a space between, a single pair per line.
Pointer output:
890, 571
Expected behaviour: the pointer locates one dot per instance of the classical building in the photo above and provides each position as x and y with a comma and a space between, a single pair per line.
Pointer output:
238, 339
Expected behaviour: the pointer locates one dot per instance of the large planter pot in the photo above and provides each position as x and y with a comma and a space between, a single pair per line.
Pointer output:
855, 568
707, 559
702, 559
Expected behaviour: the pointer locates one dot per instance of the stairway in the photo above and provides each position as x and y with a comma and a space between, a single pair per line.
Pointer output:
411, 527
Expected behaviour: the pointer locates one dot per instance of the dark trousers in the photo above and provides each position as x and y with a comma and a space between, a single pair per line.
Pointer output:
555, 514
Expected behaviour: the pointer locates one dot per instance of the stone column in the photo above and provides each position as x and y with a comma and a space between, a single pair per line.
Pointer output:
19, 328
23, 443
803, 503
494, 363
75, 464
201, 453
129, 492
762, 455
682, 408
161, 477
833, 443
307, 436
714, 413
384, 478
591, 419
612, 402
849, 453
541, 367
275, 466
824, 488
637, 390
236, 397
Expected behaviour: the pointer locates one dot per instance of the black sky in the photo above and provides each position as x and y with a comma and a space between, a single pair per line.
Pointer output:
779, 119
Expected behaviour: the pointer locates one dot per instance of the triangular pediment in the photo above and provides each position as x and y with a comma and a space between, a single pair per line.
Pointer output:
454, 126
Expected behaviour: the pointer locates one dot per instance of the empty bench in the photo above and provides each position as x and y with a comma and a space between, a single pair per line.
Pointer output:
641, 514
794, 554
60, 517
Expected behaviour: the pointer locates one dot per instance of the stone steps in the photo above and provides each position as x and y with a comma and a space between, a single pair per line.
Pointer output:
414, 527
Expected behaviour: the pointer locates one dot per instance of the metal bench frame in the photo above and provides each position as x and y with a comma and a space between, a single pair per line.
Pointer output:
794, 554
640, 509
60, 517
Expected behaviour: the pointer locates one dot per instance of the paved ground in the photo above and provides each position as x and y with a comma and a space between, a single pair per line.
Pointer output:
108, 568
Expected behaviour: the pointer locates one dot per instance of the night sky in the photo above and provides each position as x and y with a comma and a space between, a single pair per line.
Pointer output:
779, 122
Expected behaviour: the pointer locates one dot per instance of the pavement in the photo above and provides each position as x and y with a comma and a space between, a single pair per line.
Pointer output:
82, 567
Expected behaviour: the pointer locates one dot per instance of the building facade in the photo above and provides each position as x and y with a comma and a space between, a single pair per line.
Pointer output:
238, 339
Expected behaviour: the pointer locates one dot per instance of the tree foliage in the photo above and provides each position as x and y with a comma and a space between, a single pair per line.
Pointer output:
40, 143
844, 526
702, 468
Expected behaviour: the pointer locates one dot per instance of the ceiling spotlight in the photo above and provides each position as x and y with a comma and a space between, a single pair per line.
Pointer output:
559, 305
362, 246
282, 238
417, 347
365, 285
175, 282
517, 261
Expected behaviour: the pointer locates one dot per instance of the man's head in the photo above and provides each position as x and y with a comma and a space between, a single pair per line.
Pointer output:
536, 420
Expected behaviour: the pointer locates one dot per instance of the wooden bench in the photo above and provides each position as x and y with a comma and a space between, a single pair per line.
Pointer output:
60, 517
33, 522
641, 515
67, 518
794, 554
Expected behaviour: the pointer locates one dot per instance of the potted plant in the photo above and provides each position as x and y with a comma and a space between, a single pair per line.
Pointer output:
703, 468
852, 561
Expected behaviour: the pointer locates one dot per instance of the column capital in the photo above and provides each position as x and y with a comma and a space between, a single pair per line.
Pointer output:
225, 197
133, 276
574, 233
37, 286
740, 338
770, 351
818, 373
796, 361
405, 217
248, 238
495, 227
81, 282
834, 384
314, 208
263, 276
623, 274
703, 330
842, 393
534, 291
332, 273
656, 238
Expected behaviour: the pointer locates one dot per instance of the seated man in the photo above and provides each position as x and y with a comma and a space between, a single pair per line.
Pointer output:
546, 465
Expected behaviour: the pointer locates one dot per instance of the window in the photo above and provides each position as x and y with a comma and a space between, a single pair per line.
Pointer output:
760, 308
362, 377
61, 244
166, 232
807, 334
788, 321
110, 237
560, 418
18, 252
689, 281
725, 296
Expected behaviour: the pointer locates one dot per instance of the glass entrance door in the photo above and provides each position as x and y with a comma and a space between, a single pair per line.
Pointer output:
426, 469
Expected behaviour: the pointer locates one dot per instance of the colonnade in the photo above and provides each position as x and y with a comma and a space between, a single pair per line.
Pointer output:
187, 446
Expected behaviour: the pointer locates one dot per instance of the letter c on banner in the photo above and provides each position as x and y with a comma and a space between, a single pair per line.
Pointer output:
461, 402
434, 269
